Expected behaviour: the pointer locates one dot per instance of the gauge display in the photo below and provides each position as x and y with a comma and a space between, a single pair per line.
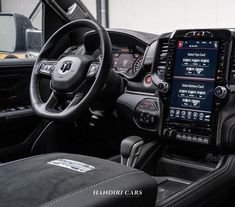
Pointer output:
126, 61
137, 65
123, 62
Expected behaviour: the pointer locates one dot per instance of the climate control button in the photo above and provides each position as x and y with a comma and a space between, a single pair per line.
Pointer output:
192, 138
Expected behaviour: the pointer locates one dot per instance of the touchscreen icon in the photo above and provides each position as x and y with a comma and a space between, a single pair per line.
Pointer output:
180, 44
183, 113
177, 112
172, 112
201, 116
195, 103
189, 114
195, 115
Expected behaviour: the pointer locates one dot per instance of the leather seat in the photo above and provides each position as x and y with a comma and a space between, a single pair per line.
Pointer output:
56, 180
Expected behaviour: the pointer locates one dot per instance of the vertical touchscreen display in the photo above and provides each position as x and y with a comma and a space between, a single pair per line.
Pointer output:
194, 81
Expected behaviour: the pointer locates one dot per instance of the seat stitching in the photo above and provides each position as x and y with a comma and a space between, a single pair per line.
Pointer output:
52, 202
29, 158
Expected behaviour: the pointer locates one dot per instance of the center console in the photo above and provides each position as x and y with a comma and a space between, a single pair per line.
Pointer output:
189, 123
193, 82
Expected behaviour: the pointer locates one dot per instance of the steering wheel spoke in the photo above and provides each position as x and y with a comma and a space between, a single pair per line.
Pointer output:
47, 67
77, 98
51, 102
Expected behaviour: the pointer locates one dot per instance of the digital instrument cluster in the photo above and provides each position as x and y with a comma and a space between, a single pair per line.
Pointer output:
126, 60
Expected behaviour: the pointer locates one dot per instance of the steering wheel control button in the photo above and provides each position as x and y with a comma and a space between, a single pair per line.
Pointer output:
47, 68
163, 87
93, 69
221, 92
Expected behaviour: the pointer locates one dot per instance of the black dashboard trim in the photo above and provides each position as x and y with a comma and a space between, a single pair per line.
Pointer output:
146, 38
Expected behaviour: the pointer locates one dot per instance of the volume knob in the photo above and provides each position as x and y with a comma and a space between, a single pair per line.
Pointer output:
221, 91
163, 87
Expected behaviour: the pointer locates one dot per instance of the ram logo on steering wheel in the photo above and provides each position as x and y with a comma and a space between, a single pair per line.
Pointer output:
65, 67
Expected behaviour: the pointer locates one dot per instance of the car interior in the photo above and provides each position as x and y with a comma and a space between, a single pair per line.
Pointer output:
98, 110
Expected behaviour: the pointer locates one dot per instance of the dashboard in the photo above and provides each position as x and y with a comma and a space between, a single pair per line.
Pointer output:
179, 86
194, 75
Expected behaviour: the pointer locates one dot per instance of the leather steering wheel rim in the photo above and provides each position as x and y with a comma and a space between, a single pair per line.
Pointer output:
78, 105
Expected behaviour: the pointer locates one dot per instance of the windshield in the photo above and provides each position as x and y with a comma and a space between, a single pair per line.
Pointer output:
160, 16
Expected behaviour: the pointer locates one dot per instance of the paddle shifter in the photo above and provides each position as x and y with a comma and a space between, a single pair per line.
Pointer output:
130, 150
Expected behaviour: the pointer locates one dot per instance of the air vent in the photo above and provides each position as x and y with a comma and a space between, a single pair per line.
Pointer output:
162, 58
232, 68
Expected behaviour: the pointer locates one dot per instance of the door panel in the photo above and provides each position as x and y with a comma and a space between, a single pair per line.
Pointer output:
17, 119
14, 84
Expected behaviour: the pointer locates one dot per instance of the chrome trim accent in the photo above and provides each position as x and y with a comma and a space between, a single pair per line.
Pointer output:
141, 93
39, 136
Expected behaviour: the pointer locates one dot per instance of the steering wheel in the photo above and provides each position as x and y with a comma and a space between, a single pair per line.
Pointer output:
75, 80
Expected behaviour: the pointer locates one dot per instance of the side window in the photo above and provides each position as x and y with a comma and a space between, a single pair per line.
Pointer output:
21, 28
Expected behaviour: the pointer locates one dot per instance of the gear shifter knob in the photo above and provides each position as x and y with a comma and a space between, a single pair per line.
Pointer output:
130, 150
